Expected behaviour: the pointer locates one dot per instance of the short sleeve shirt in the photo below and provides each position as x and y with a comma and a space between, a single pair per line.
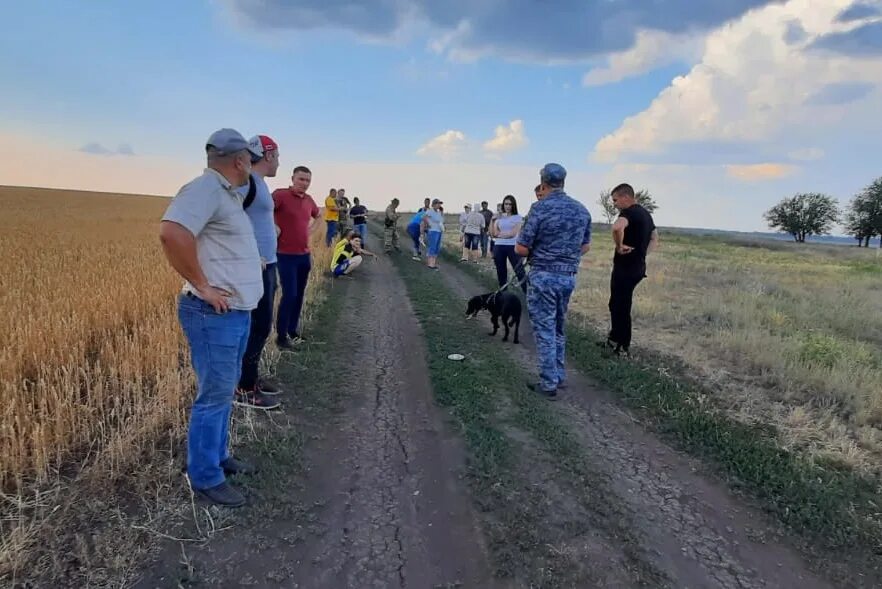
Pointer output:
261, 215
555, 231
293, 213
474, 223
358, 214
637, 235
210, 208
331, 212
435, 220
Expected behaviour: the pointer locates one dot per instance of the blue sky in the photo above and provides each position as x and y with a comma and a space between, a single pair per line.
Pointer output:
719, 110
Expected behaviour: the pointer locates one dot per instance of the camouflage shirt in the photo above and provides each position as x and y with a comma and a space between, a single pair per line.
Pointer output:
391, 216
555, 231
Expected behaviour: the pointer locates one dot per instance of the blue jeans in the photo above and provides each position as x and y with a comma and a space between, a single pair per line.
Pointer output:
547, 301
362, 231
332, 232
434, 244
502, 256
261, 326
217, 344
293, 274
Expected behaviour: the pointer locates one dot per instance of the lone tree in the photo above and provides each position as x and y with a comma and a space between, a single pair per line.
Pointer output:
643, 197
864, 218
803, 215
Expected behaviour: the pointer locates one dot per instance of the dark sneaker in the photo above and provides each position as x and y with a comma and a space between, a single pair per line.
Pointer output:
284, 344
268, 387
234, 466
537, 388
254, 400
622, 352
223, 494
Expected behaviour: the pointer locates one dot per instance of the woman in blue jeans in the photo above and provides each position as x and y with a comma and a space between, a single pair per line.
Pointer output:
505, 229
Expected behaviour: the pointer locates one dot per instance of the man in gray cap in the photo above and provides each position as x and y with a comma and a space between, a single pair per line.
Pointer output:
554, 237
209, 241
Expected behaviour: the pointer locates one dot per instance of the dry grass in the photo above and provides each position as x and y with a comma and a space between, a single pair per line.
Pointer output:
779, 333
96, 381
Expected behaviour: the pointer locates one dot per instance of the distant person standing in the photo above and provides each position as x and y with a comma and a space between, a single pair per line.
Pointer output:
433, 227
485, 232
555, 236
505, 230
474, 224
390, 227
332, 216
295, 214
358, 214
427, 205
342, 211
209, 241
634, 234
253, 391
466, 210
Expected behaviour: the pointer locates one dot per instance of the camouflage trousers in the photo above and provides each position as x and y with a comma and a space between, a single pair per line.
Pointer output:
547, 301
390, 238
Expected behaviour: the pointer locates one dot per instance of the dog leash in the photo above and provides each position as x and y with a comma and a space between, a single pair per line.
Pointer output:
510, 282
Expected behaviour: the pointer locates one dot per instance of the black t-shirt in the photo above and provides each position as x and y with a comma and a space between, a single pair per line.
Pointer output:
341, 258
488, 216
637, 235
358, 213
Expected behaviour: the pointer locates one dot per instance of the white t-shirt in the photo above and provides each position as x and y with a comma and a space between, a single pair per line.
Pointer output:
507, 224
474, 223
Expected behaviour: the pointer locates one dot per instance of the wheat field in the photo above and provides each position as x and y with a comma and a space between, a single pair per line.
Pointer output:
95, 370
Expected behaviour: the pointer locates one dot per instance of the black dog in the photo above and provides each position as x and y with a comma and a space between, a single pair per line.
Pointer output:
503, 304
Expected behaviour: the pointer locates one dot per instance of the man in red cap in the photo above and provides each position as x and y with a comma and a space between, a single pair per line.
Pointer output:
253, 391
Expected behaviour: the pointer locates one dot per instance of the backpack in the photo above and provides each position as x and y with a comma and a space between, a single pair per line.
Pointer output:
252, 192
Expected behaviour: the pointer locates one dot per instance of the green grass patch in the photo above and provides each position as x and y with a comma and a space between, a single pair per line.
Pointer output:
820, 498
487, 396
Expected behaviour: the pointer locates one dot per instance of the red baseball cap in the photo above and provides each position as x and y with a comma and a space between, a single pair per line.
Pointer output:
263, 144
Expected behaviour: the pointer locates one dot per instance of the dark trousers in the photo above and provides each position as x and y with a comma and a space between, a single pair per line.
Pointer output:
485, 239
621, 295
502, 256
293, 273
261, 326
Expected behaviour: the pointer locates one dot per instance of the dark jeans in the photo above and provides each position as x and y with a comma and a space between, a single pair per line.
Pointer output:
217, 344
502, 255
332, 232
293, 273
621, 295
485, 238
261, 326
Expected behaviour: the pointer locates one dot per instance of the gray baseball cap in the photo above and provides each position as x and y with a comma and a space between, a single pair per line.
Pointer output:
229, 141
553, 174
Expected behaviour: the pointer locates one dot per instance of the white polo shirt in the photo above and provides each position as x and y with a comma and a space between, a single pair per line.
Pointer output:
211, 209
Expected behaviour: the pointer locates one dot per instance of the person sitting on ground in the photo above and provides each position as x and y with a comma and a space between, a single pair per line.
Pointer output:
474, 224
433, 226
349, 257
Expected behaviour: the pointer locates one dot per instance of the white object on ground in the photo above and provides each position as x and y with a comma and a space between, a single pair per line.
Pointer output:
456, 357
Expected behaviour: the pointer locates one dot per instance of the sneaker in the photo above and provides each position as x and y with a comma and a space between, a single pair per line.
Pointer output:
284, 344
254, 400
268, 387
233, 466
417, 258
223, 494
537, 388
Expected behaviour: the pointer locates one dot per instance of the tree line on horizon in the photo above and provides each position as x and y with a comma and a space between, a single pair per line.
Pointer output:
805, 214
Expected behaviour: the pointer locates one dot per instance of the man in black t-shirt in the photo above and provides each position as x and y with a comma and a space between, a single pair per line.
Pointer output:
634, 234
358, 214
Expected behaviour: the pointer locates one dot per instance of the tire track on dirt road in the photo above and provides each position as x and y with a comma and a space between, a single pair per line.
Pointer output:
699, 534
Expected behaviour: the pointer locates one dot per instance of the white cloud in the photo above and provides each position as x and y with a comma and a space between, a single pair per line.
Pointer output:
759, 172
507, 138
753, 84
651, 49
446, 146
806, 154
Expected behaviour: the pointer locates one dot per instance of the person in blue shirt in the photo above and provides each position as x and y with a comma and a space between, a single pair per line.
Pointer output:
555, 235
414, 229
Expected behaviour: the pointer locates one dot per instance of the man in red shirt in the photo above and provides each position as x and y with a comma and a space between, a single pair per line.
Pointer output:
295, 216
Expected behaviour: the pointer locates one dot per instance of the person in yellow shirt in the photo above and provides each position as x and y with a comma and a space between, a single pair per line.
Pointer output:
332, 216
348, 255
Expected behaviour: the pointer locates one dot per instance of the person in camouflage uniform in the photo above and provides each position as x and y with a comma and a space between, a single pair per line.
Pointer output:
390, 227
554, 237
343, 224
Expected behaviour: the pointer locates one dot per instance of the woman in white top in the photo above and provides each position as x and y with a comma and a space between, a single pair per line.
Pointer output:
505, 229
433, 226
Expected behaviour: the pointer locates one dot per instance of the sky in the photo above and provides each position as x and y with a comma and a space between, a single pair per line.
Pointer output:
719, 108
